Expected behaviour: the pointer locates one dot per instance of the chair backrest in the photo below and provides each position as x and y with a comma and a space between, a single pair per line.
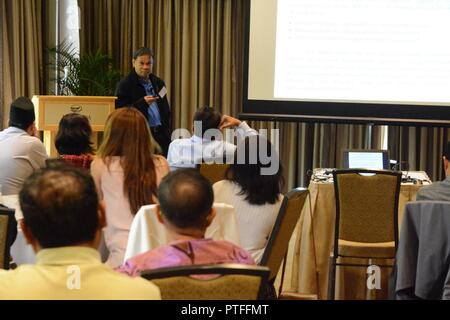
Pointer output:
212, 282
8, 232
278, 243
147, 232
214, 172
366, 205
422, 262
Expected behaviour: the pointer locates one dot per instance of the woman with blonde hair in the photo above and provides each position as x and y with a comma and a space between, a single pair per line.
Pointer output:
127, 173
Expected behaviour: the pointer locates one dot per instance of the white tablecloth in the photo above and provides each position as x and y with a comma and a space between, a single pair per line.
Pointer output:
147, 232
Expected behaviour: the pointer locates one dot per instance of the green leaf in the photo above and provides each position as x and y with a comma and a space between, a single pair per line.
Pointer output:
89, 74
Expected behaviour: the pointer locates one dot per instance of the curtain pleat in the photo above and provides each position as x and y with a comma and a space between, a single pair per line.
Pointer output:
195, 45
419, 148
22, 51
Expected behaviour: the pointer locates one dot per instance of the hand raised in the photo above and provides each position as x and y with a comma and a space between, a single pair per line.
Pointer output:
228, 121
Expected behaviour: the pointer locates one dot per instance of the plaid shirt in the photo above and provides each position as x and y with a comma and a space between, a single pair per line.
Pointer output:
83, 161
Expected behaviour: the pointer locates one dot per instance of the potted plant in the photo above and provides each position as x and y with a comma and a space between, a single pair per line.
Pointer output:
89, 74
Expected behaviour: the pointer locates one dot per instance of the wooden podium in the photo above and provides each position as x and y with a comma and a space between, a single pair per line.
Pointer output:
50, 109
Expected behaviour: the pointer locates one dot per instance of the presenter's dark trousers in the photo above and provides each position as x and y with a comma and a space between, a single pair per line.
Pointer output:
162, 137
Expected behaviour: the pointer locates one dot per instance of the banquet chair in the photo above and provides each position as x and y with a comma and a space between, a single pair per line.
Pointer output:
214, 172
211, 282
422, 265
147, 232
366, 224
277, 247
8, 233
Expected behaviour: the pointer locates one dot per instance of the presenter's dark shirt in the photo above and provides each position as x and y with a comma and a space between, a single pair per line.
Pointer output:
131, 92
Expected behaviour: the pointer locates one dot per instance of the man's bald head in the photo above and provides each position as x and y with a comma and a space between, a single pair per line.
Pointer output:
186, 198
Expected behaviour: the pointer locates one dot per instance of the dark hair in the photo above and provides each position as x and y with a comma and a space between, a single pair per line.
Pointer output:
186, 198
143, 51
60, 206
447, 151
258, 189
24, 125
21, 113
209, 117
21, 125
74, 135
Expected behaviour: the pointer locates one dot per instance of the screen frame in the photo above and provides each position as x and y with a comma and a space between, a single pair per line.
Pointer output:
385, 153
335, 112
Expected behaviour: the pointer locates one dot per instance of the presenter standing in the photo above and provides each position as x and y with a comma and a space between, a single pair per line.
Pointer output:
147, 93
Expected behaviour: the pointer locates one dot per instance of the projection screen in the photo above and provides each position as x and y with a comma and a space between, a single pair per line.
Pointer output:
380, 61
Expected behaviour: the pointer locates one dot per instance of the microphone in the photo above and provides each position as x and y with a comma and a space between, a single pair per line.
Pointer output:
66, 73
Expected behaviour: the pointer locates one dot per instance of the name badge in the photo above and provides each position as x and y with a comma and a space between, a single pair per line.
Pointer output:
162, 93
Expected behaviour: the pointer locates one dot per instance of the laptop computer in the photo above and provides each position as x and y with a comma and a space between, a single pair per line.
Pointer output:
366, 159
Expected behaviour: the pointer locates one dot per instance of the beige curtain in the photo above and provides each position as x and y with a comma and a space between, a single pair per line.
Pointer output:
419, 149
195, 44
199, 53
22, 50
305, 146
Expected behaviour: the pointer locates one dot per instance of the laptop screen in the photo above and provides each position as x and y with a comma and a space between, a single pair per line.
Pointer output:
366, 159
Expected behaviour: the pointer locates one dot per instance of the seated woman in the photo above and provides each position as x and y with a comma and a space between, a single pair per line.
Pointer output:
73, 140
127, 174
253, 187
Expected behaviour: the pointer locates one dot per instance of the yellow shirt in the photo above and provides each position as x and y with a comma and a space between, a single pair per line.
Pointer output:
72, 273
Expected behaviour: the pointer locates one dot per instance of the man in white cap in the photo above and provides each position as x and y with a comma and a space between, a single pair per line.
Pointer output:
21, 152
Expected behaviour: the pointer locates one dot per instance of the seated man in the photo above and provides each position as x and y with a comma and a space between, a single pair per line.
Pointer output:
206, 145
185, 209
439, 191
63, 221
21, 152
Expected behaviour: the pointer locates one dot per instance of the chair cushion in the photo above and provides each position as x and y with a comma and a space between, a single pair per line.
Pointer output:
366, 249
226, 287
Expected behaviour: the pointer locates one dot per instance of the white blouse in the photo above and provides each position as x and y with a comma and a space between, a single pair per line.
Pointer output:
255, 222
